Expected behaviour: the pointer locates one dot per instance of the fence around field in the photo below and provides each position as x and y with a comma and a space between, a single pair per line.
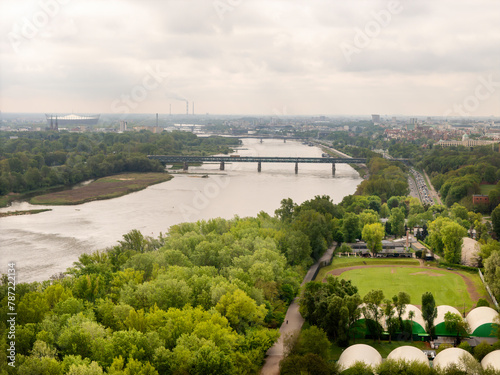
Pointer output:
488, 289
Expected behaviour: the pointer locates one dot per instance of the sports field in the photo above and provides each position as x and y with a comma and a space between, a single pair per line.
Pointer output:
457, 288
448, 288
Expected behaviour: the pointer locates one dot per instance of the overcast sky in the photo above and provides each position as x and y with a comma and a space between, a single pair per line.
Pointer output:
277, 57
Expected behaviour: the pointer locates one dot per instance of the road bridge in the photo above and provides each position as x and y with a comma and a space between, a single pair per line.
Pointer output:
185, 160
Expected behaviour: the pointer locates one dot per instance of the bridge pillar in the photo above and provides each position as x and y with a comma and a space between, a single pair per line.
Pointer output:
185, 166
296, 167
333, 169
259, 166
221, 166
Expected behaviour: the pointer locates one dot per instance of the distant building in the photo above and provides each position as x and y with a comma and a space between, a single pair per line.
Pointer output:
123, 126
376, 119
466, 143
480, 199
54, 121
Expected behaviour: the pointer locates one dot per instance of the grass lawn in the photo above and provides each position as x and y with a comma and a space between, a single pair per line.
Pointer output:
103, 188
448, 288
4, 201
485, 189
351, 261
384, 348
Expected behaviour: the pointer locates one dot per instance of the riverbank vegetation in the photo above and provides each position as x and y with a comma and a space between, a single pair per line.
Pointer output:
39, 160
23, 212
103, 188
205, 299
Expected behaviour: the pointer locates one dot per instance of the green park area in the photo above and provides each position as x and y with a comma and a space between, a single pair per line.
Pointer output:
448, 288
485, 188
344, 262
397, 275
103, 188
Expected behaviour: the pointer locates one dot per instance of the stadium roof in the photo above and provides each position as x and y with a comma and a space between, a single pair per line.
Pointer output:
479, 317
492, 359
450, 356
408, 353
73, 117
359, 353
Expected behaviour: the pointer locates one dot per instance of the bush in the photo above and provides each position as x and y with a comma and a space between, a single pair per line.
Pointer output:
481, 350
443, 264
482, 302
443, 347
465, 346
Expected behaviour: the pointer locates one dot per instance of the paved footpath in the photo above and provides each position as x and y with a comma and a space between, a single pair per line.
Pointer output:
293, 322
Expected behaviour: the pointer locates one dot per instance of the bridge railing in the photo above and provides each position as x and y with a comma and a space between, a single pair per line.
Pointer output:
253, 159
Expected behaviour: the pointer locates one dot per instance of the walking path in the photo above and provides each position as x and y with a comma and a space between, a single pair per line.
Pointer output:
293, 322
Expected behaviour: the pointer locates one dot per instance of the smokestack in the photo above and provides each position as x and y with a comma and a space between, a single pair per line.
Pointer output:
170, 109
187, 107
193, 108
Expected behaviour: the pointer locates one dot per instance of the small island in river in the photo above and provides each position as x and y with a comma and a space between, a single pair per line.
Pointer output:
103, 188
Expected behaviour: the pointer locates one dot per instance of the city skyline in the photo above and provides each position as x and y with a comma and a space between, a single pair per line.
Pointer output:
251, 57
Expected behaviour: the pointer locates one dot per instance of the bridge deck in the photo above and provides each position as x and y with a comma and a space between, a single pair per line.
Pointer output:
252, 159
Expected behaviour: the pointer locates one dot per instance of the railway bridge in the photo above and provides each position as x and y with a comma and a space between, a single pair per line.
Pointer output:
185, 160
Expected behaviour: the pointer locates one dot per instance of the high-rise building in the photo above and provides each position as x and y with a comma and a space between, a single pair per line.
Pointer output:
376, 119
123, 126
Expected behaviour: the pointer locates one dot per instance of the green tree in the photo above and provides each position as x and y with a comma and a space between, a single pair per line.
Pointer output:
241, 311
481, 350
391, 322
350, 227
411, 316
453, 234
32, 307
429, 311
373, 235
385, 211
488, 248
286, 210
306, 364
455, 323
495, 220
92, 369
373, 313
313, 340
492, 272
368, 217
397, 222
393, 367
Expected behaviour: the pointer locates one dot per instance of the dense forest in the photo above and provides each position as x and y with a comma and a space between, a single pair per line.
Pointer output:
457, 173
386, 179
36, 160
204, 299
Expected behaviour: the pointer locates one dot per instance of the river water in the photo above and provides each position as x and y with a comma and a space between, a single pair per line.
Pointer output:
49, 242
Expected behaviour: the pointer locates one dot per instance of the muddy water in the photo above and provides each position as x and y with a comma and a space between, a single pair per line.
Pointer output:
49, 242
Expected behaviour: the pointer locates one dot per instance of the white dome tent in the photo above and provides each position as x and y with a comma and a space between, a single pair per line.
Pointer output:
450, 356
482, 321
408, 353
492, 360
359, 353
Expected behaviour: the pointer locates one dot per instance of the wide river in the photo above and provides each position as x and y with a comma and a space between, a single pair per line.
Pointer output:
49, 242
